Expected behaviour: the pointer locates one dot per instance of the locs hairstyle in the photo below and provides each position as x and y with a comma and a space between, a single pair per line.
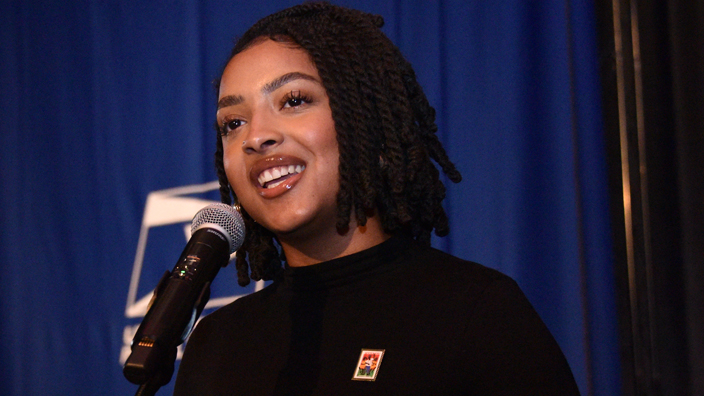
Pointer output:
384, 123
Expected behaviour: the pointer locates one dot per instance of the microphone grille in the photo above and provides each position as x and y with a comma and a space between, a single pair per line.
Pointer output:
226, 217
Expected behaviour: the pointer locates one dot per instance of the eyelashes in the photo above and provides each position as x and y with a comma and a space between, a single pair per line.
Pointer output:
229, 125
295, 99
289, 102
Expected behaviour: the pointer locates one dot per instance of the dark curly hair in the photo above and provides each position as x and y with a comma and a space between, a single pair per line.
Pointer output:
384, 123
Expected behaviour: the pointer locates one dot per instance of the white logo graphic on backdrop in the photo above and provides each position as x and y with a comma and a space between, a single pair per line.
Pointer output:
164, 208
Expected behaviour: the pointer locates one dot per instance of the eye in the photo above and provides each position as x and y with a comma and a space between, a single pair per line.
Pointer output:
294, 99
230, 125
293, 102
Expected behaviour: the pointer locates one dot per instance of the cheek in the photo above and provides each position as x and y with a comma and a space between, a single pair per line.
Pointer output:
326, 140
333, 151
234, 169
331, 166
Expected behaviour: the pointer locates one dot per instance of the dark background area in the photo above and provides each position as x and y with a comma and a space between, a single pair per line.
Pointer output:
652, 60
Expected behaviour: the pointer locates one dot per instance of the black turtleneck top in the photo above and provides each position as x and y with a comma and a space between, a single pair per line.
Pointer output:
447, 327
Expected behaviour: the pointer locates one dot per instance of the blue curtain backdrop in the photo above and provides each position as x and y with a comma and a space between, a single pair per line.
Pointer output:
106, 148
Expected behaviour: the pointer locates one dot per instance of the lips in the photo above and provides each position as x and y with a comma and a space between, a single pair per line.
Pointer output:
275, 175
272, 177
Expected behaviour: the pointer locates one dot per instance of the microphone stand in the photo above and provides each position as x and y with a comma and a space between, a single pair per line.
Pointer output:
160, 378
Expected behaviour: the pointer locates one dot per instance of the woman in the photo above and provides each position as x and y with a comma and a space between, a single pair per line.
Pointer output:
325, 140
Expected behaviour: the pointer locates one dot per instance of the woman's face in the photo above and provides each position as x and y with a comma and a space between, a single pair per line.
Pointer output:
280, 147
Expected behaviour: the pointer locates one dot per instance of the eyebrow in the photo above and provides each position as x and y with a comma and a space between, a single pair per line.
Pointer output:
233, 100
285, 79
230, 100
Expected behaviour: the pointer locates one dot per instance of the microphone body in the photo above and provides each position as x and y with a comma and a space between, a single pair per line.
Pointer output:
182, 294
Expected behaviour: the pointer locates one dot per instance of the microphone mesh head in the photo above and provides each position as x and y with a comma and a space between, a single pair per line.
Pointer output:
224, 216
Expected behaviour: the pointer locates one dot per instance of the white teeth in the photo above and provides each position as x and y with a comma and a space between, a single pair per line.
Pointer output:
265, 177
278, 172
275, 184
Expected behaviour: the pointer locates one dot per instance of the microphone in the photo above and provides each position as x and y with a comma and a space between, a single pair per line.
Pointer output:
217, 231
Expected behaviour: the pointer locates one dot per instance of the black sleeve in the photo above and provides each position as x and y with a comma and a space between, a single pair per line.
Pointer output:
520, 356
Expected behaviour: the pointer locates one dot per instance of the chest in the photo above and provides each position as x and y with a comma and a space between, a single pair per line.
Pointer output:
317, 345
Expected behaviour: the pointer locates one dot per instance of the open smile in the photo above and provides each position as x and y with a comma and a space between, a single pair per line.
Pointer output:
273, 177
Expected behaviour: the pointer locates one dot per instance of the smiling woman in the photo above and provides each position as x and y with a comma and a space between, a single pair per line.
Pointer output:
282, 120
326, 142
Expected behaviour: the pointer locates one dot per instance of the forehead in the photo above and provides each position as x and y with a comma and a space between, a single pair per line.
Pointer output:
262, 62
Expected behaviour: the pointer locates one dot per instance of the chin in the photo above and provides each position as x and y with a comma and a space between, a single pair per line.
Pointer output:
301, 228
295, 220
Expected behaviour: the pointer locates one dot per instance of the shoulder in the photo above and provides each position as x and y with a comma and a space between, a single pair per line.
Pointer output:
487, 295
499, 324
450, 288
240, 311
223, 335
441, 270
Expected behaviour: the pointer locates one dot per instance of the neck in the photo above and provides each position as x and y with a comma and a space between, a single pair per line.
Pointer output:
310, 250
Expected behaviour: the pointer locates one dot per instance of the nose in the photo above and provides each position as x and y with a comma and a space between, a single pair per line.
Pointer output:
263, 135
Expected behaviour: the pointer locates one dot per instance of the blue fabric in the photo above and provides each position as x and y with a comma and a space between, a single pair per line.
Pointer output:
103, 103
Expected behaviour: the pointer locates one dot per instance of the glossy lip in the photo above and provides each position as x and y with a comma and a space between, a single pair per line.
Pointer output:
271, 162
